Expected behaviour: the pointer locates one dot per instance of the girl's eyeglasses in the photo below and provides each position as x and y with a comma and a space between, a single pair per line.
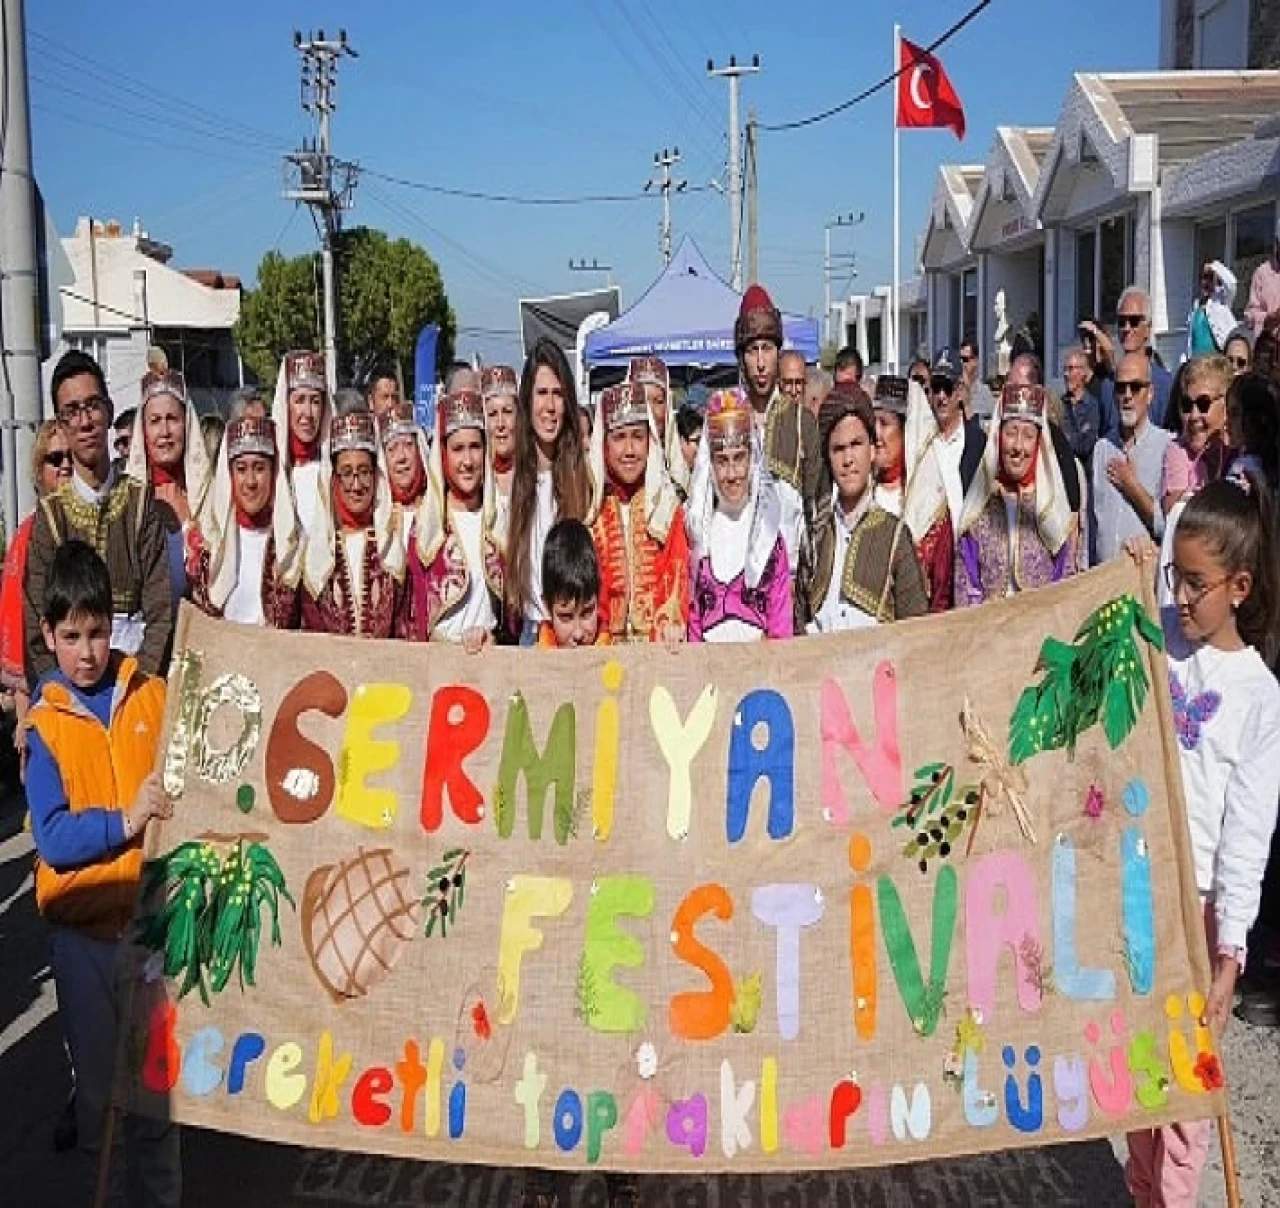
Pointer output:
1176, 583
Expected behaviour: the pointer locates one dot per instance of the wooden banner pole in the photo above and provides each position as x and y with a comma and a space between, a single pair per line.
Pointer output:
1230, 1171
104, 1158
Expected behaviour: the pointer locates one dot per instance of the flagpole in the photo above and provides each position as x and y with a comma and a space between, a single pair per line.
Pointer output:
897, 199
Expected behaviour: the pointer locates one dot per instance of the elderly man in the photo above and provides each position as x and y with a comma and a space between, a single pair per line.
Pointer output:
817, 385
1133, 328
979, 402
790, 432
1125, 500
960, 438
791, 375
1086, 414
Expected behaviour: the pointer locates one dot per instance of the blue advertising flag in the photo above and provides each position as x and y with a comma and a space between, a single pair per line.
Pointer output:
424, 377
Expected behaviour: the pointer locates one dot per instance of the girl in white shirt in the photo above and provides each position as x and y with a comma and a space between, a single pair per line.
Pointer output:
1221, 629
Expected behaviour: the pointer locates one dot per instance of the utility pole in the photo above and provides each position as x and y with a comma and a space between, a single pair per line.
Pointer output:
734, 73
664, 162
841, 220
753, 201
20, 404
316, 184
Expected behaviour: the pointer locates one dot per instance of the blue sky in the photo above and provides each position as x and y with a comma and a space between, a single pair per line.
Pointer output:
177, 114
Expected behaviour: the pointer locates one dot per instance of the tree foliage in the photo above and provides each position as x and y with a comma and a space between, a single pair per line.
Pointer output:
388, 290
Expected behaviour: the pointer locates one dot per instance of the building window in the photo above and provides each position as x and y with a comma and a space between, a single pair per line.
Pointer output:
875, 326
954, 335
969, 306
1211, 244
1086, 280
1253, 231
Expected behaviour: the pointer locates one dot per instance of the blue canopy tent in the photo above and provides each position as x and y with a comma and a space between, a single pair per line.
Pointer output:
686, 317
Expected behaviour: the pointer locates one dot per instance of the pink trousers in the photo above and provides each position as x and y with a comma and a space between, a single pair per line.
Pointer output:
1165, 1164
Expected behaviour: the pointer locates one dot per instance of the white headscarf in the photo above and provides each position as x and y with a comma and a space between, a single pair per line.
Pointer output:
660, 499
1053, 510
762, 511
668, 443
288, 527
196, 470
924, 493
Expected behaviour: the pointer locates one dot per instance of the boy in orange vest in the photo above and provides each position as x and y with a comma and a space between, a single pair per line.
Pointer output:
571, 588
94, 727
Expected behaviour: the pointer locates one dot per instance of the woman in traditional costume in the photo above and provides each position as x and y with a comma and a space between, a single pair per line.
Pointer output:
500, 390
637, 525
301, 412
861, 568
456, 571
551, 480
741, 577
354, 560
231, 550
168, 457
909, 482
653, 375
405, 450
1017, 531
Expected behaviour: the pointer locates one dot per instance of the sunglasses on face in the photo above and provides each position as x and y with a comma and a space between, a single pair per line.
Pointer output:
1201, 402
1130, 386
966, 359
1123, 321
1238, 362
940, 385
57, 458
920, 380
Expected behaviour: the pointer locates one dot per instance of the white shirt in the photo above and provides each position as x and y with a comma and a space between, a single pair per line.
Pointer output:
353, 548
244, 604
544, 517
476, 609
306, 492
1227, 714
837, 614
889, 499
727, 538
950, 452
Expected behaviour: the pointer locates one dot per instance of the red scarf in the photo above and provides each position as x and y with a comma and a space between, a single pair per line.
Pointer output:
302, 451
259, 522
412, 493
624, 494
160, 477
502, 465
346, 518
1028, 479
893, 477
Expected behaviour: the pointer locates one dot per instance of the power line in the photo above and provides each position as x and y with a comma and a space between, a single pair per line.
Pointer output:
510, 198
880, 85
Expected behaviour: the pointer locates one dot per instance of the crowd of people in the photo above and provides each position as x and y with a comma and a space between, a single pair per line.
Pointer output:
791, 504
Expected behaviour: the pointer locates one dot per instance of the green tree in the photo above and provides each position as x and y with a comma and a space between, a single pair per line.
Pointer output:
279, 314
388, 290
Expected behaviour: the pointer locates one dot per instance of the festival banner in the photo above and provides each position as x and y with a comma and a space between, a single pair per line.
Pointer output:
843, 901
424, 377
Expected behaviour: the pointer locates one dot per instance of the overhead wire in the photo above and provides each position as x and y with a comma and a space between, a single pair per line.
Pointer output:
879, 85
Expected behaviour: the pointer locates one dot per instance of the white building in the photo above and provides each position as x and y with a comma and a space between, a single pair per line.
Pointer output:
123, 296
1143, 177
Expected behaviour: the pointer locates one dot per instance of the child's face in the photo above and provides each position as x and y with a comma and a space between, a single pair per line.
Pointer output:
575, 622
1206, 595
82, 646
689, 447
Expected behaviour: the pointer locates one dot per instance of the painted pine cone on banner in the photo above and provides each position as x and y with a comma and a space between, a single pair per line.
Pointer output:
357, 917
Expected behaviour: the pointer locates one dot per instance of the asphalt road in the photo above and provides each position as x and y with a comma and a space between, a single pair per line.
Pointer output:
221, 1170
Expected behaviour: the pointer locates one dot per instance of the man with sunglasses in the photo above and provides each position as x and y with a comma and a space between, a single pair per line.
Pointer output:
979, 402
1125, 496
1133, 330
960, 438
110, 512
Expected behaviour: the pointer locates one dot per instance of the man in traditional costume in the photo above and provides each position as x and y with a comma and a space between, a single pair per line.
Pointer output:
909, 482
231, 549
455, 587
741, 578
638, 525
1017, 531
301, 413
353, 564
789, 431
861, 568
500, 387
112, 513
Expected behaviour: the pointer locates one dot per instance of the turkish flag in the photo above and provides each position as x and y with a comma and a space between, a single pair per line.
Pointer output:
926, 97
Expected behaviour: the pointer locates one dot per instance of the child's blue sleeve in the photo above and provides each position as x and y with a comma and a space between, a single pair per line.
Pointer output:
65, 839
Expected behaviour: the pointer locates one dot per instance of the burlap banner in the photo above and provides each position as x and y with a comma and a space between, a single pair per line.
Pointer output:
832, 902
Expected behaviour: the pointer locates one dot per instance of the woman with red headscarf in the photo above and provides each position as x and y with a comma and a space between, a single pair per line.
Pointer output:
167, 455
353, 563
1017, 530
405, 451
231, 551
456, 567
301, 413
